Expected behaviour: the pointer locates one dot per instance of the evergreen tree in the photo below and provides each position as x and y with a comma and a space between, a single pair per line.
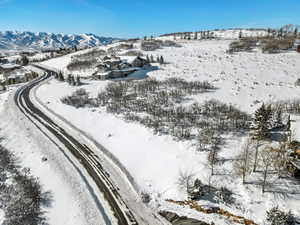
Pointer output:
157, 59
280, 33
73, 81
262, 122
161, 60
69, 79
147, 59
278, 117
151, 59
78, 82
196, 36
296, 32
240, 34
24, 61
61, 76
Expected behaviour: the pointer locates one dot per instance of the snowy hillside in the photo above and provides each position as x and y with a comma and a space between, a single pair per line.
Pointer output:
243, 80
29, 40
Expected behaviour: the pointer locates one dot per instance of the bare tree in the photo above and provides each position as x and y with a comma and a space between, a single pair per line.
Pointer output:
257, 142
267, 158
281, 159
242, 165
185, 180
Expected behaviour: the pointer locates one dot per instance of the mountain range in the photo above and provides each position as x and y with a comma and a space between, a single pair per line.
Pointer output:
14, 40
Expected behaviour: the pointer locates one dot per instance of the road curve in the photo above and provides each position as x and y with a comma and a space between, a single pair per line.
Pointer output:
81, 151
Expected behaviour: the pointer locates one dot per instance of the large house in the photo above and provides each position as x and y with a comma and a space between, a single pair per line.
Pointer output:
13, 73
119, 67
8, 68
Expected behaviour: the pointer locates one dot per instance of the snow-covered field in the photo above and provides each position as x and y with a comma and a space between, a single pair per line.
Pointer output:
242, 79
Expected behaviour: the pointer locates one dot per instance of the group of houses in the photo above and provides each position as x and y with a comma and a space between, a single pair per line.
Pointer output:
112, 66
12, 74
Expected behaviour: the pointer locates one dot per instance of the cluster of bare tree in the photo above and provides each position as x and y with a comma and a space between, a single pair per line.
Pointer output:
256, 153
21, 195
73, 81
79, 98
289, 106
159, 59
152, 44
82, 64
267, 44
277, 45
89, 55
159, 102
257, 156
243, 45
196, 189
157, 105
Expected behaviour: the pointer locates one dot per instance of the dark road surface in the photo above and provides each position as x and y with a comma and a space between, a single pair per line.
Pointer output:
84, 154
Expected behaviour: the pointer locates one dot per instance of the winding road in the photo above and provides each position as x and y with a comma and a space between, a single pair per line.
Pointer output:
82, 152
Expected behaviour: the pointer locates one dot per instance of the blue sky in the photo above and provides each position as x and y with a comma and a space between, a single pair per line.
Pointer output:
136, 18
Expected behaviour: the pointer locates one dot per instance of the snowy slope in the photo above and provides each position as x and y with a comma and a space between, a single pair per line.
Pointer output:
29, 40
242, 79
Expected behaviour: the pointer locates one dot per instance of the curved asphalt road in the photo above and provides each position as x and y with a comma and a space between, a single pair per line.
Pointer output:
85, 155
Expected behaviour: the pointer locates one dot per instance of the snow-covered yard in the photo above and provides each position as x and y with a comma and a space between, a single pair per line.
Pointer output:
243, 80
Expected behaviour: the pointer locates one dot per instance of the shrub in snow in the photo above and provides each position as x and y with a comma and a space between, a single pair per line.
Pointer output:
146, 198
277, 217
224, 195
79, 98
150, 45
133, 53
169, 43
198, 190
277, 45
242, 45
297, 83
89, 55
82, 64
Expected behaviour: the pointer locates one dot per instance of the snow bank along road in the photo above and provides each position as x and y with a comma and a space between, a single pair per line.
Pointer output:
81, 151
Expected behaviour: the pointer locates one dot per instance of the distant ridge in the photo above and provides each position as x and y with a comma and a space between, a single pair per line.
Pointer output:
14, 40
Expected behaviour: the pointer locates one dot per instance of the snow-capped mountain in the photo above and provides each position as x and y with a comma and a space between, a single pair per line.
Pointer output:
290, 28
42, 40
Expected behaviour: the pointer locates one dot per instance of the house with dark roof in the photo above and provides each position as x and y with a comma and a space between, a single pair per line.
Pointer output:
119, 67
